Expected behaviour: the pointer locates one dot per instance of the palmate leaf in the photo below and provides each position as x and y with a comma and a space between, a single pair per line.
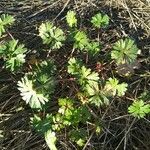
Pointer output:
95, 95
86, 76
43, 75
41, 125
15, 63
29, 95
99, 99
71, 19
124, 51
51, 35
113, 87
139, 109
5, 20
73, 66
100, 20
14, 54
81, 40
93, 48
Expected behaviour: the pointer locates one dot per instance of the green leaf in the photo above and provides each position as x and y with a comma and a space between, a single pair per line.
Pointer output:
79, 136
100, 20
14, 54
99, 99
113, 87
139, 109
92, 88
43, 77
29, 95
51, 35
71, 19
42, 125
124, 51
65, 102
50, 139
5, 20
74, 66
121, 89
86, 76
93, 48
81, 40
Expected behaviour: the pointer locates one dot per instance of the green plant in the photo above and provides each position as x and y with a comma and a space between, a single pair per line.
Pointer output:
124, 51
29, 95
93, 48
71, 19
51, 35
5, 21
81, 40
113, 87
37, 87
139, 109
90, 84
100, 20
79, 136
13, 54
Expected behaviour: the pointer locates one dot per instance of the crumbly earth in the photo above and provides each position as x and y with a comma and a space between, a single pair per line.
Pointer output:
120, 131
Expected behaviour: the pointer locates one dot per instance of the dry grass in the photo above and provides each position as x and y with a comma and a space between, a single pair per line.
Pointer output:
120, 132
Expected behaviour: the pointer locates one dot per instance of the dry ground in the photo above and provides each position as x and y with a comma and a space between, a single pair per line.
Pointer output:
128, 18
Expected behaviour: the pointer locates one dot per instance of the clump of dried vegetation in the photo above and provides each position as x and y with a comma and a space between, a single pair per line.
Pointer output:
116, 125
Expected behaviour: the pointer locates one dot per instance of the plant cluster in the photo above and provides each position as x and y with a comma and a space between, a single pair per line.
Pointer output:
38, 85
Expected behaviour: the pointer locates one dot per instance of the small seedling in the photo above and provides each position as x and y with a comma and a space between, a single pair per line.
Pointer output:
124, 51
13, 54
71, 19
139, 109
5, 21
51, 35
100, 20
36, 87
81, 40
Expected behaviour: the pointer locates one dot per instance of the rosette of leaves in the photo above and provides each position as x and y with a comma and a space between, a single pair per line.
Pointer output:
5, 21
30, 95
71, 19
124, 51
80, 40
100, 20
37, 87
95, 95
93, 48
139, 109
51, 35
13, 54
